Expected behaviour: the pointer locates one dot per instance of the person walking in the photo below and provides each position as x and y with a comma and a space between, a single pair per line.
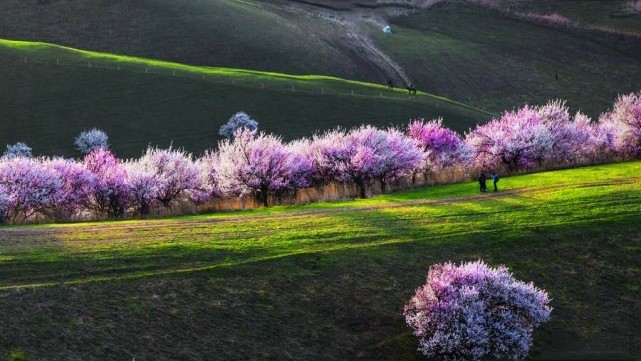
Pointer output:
482, 180
495, 179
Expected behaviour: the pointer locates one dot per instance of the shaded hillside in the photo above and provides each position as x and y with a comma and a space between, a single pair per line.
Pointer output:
228, 33
484, 57
49, 94
498, 61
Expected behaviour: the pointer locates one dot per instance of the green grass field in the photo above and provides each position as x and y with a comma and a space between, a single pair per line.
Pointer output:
325, 281
52, 93
498, 62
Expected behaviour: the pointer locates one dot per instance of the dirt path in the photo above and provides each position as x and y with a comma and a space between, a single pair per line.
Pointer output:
353, 25
29, 232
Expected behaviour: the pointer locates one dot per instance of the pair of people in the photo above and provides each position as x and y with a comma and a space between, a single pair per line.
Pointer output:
483, 181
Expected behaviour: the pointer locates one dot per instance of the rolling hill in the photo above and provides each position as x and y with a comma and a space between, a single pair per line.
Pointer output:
325, 281
50, 93
499, 61
496, 61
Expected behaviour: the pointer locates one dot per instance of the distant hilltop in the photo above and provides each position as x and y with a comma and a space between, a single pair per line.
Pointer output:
349, 4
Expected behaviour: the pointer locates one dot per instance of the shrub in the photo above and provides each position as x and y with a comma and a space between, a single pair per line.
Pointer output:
90, 140
471, 311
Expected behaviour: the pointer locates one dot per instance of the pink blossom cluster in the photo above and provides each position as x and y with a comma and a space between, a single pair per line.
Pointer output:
633, 7
256, 164
263, 166
472, 311
363, 155
100, 184
547, 135
554, 19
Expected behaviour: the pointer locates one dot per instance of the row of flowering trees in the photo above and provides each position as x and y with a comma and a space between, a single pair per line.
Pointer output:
253, 164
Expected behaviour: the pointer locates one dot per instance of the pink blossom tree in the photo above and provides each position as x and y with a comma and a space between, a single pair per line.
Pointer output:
397, 156
144, 186
208, 164
78, 184
624, 124
472, 311
111, 192
442, 146
301, 165
531, 136
177, 175
327, 154
516, 140
364, 155
28, 188
256, 164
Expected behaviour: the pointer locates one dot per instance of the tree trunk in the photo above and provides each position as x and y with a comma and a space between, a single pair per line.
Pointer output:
144, 208
264, 196
383, 184
362, 188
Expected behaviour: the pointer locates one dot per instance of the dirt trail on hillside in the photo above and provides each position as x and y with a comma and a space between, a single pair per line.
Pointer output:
352, 38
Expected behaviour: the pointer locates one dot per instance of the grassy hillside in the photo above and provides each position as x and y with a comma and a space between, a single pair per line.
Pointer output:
51, 93
325, 281
497, 61
494, 61
227, 33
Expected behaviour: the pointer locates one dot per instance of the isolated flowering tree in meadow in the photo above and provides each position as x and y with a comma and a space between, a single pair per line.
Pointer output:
28, 188
177, 175
237, 121
471, 311
90, 140
256, 164
624, 124
19, 149
111, 191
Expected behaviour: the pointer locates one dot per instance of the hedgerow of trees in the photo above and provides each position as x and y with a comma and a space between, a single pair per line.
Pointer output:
253, 164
